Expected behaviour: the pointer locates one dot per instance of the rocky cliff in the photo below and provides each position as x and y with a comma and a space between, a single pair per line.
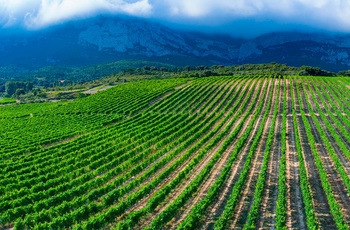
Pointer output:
108, 39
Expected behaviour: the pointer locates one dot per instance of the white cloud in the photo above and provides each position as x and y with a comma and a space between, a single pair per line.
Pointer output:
333, 15
11, 11
203, 8
323, 14
35, 14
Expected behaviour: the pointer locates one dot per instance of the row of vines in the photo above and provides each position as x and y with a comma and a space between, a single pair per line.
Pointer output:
205, 153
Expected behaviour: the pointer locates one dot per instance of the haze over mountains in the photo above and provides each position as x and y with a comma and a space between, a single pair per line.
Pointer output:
107, 39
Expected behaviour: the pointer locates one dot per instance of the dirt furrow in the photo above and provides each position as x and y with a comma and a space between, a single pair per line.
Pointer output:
339, 132
315, 86
321, 207
209, 90
296, 218
218, 93
198, 105
224, 195
320, 203
197, 170
268, 206
208, 157
205, 187
173, 94
332, 88
144, 201
338, 186
243, 206
345, 162
227, 95
303, 106
188, 160
242, 210
213, 176
215, 211
182, 186
340, 94
160, 98
233, 90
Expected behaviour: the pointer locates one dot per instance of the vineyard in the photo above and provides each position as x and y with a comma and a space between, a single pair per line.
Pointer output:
231, 152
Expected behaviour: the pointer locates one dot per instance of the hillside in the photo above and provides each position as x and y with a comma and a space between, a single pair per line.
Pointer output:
58, 83
109, 39
222, 152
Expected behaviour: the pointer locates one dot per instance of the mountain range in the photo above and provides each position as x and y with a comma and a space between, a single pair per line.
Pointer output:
108, 39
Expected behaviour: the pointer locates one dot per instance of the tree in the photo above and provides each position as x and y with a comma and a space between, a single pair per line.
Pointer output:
19, 92
12, 87
314, 71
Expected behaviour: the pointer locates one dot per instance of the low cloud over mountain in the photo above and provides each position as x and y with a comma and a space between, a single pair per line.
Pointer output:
246, 18
105, 39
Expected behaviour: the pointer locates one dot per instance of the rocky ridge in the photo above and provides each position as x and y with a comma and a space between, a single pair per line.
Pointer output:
118, 38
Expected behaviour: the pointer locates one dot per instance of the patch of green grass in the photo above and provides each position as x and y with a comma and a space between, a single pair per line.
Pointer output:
5, 100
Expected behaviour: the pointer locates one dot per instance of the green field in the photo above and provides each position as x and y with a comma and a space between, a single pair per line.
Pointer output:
5, 101
225, 152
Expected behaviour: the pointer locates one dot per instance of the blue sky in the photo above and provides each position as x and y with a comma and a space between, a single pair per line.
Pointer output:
237, 17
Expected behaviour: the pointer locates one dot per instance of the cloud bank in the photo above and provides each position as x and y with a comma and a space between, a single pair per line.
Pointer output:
331, 15
322, 14
36, 14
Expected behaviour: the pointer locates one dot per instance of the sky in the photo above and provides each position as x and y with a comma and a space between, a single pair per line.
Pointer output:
240, 17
